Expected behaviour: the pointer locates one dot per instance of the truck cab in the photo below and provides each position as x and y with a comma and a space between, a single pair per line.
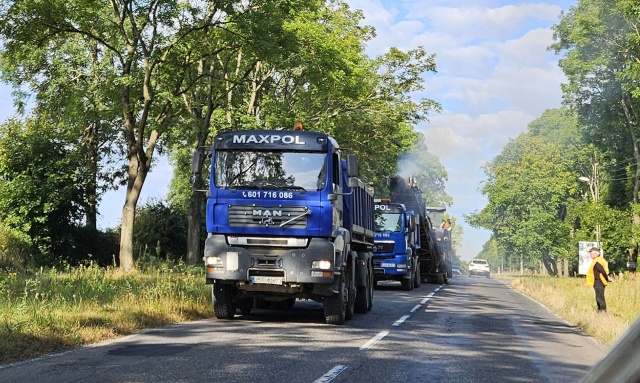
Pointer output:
286, 218
395, 244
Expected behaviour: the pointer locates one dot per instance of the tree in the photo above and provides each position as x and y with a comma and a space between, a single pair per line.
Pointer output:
40, 189
600, 41
528, 187
152, 48
69, 80
315, 72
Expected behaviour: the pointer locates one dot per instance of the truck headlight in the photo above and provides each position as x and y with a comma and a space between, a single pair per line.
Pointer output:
402, 265
213, 261
322, 264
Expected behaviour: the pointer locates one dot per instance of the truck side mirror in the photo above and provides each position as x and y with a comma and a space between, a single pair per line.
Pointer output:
412, 223
352, 165
196, 166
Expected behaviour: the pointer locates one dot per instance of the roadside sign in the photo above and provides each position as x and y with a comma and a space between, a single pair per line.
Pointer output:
584, 260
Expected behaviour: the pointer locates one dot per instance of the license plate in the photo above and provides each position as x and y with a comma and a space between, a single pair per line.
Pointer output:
267, 280
388, 265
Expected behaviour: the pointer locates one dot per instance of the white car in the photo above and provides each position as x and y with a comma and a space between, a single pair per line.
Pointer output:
480, 267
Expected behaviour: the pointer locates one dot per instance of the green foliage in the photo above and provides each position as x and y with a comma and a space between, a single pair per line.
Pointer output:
129, 82
529, 186
40, 193
160, 232
601, 49
15, 248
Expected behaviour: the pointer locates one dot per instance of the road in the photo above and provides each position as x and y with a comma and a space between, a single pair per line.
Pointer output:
470, 330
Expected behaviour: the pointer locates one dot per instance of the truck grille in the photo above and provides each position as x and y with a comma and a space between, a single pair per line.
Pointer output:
268, 216
383, 247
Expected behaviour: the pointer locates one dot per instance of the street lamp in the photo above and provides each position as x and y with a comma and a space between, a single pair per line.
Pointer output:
595, 196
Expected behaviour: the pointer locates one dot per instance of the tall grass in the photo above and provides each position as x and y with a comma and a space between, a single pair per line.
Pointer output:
575, 302
50, 310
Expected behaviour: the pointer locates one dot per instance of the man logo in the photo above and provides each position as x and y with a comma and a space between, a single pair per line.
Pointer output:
267, 213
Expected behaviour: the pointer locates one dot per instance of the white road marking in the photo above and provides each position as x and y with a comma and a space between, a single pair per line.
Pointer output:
415, 308
399, 321
329, 376
374, 340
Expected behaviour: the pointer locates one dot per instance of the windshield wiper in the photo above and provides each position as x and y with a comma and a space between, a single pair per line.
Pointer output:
248, 187
294, 187
308, 212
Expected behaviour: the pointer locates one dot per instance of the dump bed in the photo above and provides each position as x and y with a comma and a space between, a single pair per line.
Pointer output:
358, 210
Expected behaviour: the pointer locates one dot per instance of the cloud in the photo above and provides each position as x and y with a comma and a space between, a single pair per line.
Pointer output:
495, 75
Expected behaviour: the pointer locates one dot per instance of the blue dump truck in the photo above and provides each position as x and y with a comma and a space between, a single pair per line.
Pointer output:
430, 255
397, 240
287, 217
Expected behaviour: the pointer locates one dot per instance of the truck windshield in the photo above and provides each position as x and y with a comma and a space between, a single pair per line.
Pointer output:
388, 222
264, 170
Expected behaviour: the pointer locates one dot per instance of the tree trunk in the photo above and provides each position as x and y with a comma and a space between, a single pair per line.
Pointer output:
138, 171
194, 247
91, 184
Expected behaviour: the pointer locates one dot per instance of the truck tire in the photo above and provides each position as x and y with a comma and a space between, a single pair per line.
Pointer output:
371, 287
224, 307
364, 294
407, 283
245, 306
335, 306
350, 281
417, 282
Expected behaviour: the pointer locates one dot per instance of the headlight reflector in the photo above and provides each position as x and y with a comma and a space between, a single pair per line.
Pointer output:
322, 264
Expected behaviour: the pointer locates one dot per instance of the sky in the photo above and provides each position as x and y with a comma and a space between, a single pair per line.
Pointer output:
494, 76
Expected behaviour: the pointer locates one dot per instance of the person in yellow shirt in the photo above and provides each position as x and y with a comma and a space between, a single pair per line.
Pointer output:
598, 277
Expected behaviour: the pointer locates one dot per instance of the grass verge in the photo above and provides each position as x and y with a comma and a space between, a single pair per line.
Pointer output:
52, 310
575, 302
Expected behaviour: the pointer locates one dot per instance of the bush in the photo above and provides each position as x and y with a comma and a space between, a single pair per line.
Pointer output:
15, 251
160, 232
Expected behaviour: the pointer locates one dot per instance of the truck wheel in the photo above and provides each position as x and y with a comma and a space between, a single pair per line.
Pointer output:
417, 281
407, 283
350, 281
371, 285
245, 306
363, 295
335, 306
224, 307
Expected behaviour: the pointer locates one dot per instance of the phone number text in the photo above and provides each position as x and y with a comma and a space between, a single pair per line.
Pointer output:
267, 194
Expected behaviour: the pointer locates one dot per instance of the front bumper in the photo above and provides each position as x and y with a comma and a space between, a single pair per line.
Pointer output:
281, 266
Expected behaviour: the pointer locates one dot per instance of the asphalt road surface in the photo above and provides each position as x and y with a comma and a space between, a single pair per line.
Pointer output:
470, 330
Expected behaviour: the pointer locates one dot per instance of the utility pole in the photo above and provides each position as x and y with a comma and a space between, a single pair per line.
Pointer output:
594, 188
